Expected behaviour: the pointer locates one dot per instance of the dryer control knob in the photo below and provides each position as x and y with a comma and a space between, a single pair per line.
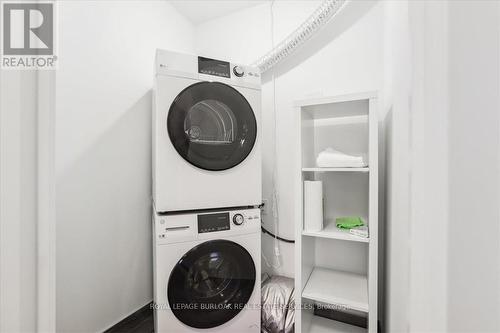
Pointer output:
238, 71
238, 219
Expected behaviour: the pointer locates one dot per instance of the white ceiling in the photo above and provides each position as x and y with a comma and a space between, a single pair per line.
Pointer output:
199, 11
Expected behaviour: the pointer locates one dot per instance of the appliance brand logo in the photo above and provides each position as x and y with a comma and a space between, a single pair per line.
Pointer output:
28, 35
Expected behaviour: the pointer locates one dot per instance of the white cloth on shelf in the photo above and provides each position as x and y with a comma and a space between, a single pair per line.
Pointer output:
331, 158
359, 231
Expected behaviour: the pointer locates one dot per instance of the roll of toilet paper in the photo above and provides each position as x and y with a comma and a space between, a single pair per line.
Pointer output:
313, 205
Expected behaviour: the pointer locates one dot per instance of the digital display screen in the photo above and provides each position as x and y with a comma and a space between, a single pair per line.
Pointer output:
213, 222
214, 67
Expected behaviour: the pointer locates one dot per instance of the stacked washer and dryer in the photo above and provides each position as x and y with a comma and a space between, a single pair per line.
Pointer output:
206, 193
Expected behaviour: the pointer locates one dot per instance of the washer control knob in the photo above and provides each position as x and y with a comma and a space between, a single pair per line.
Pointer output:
238, 71
238, 219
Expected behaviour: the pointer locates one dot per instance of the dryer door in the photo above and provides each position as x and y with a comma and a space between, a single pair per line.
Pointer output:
212, 126
211, 284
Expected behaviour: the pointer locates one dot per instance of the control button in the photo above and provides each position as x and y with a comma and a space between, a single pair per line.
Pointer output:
238, 71
162, 221
238, 219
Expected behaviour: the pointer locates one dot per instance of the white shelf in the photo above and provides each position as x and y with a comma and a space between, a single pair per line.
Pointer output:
365, 169
323, 325
347, 120
331, 231
338, 288
336, 99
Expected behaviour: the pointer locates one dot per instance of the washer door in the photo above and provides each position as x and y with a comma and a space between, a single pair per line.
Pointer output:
211, 284
212, 126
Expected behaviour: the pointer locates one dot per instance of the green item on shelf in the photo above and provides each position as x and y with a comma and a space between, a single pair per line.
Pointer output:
349, 222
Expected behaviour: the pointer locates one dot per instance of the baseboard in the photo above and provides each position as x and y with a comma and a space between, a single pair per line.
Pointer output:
138, 319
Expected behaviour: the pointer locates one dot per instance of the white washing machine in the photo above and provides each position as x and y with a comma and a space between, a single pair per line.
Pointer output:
206, 134
207, 272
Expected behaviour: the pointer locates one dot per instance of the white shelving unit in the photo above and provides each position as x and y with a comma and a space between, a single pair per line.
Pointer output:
334, 267
331, 231
344, 289
322, 325
336, 169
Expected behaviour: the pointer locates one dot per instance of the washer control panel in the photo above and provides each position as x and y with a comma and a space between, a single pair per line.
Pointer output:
245, 218
213, 222
221, 221
173, 228
238, 219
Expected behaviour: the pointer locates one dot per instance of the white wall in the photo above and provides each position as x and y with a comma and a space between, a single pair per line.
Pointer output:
397, 76
443, 245
103, 155
428, 173
18, 201
474, 168
345, 57
415, 78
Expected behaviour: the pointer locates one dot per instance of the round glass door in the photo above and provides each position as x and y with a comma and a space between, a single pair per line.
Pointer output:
211, 284
212, 126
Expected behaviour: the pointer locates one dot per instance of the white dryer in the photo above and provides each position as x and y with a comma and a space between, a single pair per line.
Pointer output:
207, 272
206, 134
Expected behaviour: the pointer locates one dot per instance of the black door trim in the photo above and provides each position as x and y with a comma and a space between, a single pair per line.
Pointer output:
211, 283
212, 157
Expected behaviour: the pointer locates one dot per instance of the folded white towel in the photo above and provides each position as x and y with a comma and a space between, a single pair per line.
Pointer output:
331, 158
359, 231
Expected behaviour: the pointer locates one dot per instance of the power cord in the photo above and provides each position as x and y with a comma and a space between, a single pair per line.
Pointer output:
274, 198
264, 230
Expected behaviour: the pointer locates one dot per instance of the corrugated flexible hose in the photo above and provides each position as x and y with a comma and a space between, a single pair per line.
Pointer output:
296, 39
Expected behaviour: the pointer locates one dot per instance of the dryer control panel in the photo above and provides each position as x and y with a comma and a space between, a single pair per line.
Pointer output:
214, 67
225, 69
206, 69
